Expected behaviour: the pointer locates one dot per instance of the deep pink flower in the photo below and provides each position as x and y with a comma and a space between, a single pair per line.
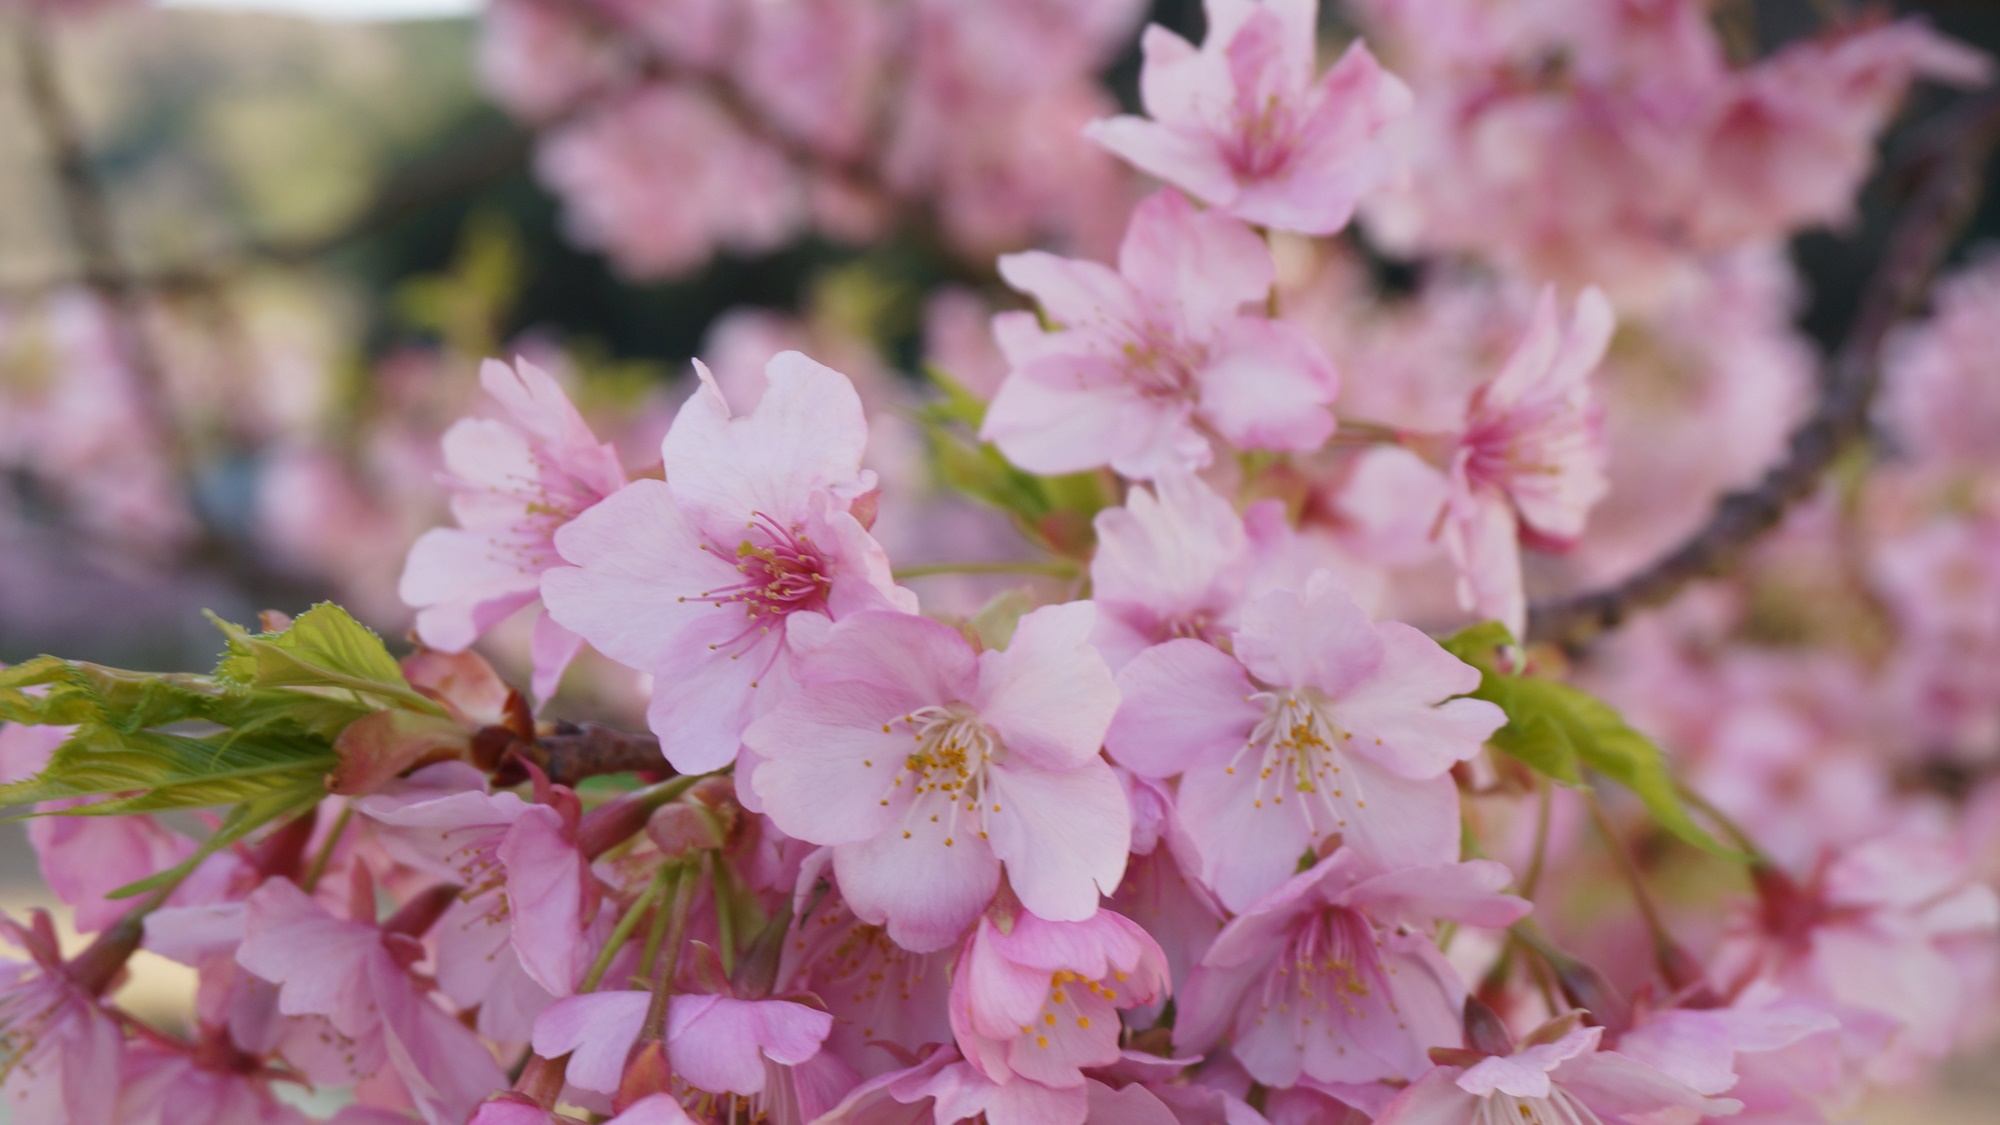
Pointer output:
943, 1087
718, 1044
1324, 724
1150, 359
1531, 459
1038, 1001
1334, 975
514, 484
697, 580
1242, 123
516, 938
372, 1013
928, 766
1559, 1076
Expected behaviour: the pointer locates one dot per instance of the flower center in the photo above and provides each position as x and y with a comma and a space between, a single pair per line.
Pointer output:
1559, 1108
1332, 959
945, 771
1159, 366
1074, 1006
1298, 752
782, 572
1264, 138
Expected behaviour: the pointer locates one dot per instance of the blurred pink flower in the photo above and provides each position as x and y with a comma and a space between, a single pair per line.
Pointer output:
1243, 125
718, 1044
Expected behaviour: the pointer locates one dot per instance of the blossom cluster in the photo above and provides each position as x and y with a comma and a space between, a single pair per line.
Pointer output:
1250, 801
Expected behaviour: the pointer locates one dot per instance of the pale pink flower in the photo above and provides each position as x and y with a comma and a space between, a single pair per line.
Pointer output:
160, 1087
1702, 1047
1151, 359
814, 69
538, 60
516, 937
877, 991
717, 1044
928, 766
662, 177
1893, 927
941, 1086
1334, 976
1939, 395
1559, 1076
1038, 1001
1530, 462
1323, 725
1243, 125
513, 1109
1171, 562
697, 580
515, 483
372, 1013
60, 1048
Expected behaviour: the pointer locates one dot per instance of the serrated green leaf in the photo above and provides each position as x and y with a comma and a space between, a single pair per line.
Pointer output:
1555, 729
325, 651
150, 771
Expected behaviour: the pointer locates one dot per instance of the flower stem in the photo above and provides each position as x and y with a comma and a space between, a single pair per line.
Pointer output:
1545, 793
324, 856
1663, 941
622, 932
655, 1027
1055, 569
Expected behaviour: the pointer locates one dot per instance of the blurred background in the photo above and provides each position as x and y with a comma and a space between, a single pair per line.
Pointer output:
253, 251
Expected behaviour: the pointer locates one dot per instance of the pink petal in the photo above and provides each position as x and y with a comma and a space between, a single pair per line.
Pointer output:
1399, 715
597, 1030
637, 562
462, 587
1063, 835
718, 1044
1049, 696
807, 435
1320, 639
926, 891
1246, 850
1184, 703
1187, 160
1201, 265
1267, 385
1434, 1099
551, 650
1073, 292
545, 899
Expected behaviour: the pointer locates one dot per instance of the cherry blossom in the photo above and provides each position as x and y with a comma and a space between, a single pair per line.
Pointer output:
930, 768
1150, 360
1322, 726
697, 580
514, 483
1242, 124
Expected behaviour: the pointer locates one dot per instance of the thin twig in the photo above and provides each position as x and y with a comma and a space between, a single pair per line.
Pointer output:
1950, 162
573, 753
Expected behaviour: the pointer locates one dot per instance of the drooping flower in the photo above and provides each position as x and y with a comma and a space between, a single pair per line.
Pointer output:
1151, 358
516, 937
1242, 123
1530, 462
1334, 976
1323, 725
697, 580
515, 483
942, 1086
355, 978
928, 766
1558, 1077
1038, 1001
718, 1044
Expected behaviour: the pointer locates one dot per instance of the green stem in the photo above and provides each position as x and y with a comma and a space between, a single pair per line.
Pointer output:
667, 881
1733, 830
1533, 878
655, 1027
324, 856
622, 932
725, 918
1663, 940
1055, 569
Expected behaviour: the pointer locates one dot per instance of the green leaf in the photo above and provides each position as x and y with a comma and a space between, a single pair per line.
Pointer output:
1554, 729
325, 652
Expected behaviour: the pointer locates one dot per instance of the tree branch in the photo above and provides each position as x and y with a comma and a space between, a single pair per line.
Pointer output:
1947, 164
575, 752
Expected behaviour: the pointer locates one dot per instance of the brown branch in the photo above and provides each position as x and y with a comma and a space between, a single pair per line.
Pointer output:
575, 752
1947, 166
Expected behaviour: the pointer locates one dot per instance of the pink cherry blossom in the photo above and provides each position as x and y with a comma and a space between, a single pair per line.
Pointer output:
928, 767
1038, 1001
1332, 976
516, 936
62, 1049
514, 483
1323, 725
1151, 360
941, 1086
160, 1087
1938, 399
1171, 562
1531, 459
1242, 123
1562, 1078
718, 1044
697, 580
372, 1013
